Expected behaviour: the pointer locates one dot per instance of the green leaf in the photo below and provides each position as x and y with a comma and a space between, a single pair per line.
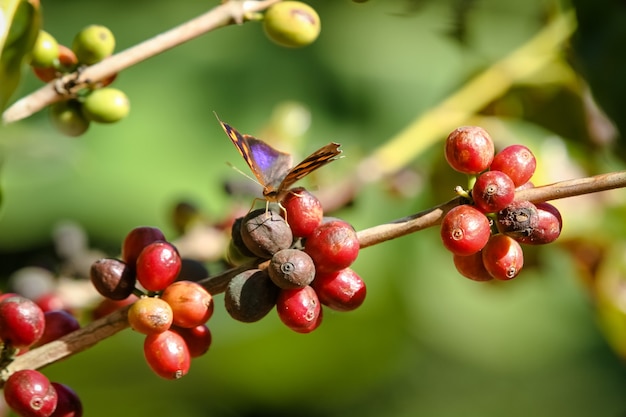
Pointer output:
20, 22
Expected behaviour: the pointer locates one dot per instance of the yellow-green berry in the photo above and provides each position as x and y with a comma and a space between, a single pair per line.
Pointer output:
93, 44
292, 24
106, 105
68, 118
45, 51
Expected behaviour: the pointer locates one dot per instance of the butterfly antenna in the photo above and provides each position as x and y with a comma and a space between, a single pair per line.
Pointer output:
243, 173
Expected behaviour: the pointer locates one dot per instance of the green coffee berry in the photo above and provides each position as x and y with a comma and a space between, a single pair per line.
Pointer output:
45, 51
292, 24
106, 105
68, 118
93, 44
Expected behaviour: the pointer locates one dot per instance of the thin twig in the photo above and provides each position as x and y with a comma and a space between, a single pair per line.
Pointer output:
227, 13
108, 326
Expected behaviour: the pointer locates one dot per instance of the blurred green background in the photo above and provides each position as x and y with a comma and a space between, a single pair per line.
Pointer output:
427, 342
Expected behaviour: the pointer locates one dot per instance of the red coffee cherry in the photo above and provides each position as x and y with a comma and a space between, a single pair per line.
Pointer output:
465, 230
167, 354
299, 309
469, 149
68, 404
516, 161
493, 191
340, 290
548, 226
22, 322
112, 278
51, 301
264, 233
150, 315
250, 296
191, 303
503, 257
303, 211
198, 339
158, 266
30, 394
472, 267
333, 246
58, 324
291, 268
136, 240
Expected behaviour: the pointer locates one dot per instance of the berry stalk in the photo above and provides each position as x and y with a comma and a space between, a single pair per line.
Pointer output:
227, 13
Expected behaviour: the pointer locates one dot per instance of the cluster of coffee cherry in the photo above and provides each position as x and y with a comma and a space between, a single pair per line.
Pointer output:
96, 102
24, 324
485, 235
308, 260
171, 313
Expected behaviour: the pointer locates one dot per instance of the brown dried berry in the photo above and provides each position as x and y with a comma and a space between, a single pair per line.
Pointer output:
237, 240
112, 278
264, 233
291, 268
250, 296
518, 219
548, 227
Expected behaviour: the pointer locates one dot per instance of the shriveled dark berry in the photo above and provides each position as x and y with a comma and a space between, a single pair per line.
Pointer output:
291, 268
265, 233
518, 219
237, 240
250, 296
548, 227
112, 278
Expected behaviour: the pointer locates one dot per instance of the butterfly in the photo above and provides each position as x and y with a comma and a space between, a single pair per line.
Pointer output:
272, 168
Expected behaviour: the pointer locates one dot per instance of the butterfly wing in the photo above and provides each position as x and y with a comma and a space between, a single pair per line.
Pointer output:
268, 165
314, 161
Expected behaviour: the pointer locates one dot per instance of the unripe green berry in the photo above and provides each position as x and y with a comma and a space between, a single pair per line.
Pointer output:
93, 44
45, 51
106, 105
68, 118
292, 24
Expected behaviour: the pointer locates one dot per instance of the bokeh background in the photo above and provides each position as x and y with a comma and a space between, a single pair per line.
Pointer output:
427, 342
